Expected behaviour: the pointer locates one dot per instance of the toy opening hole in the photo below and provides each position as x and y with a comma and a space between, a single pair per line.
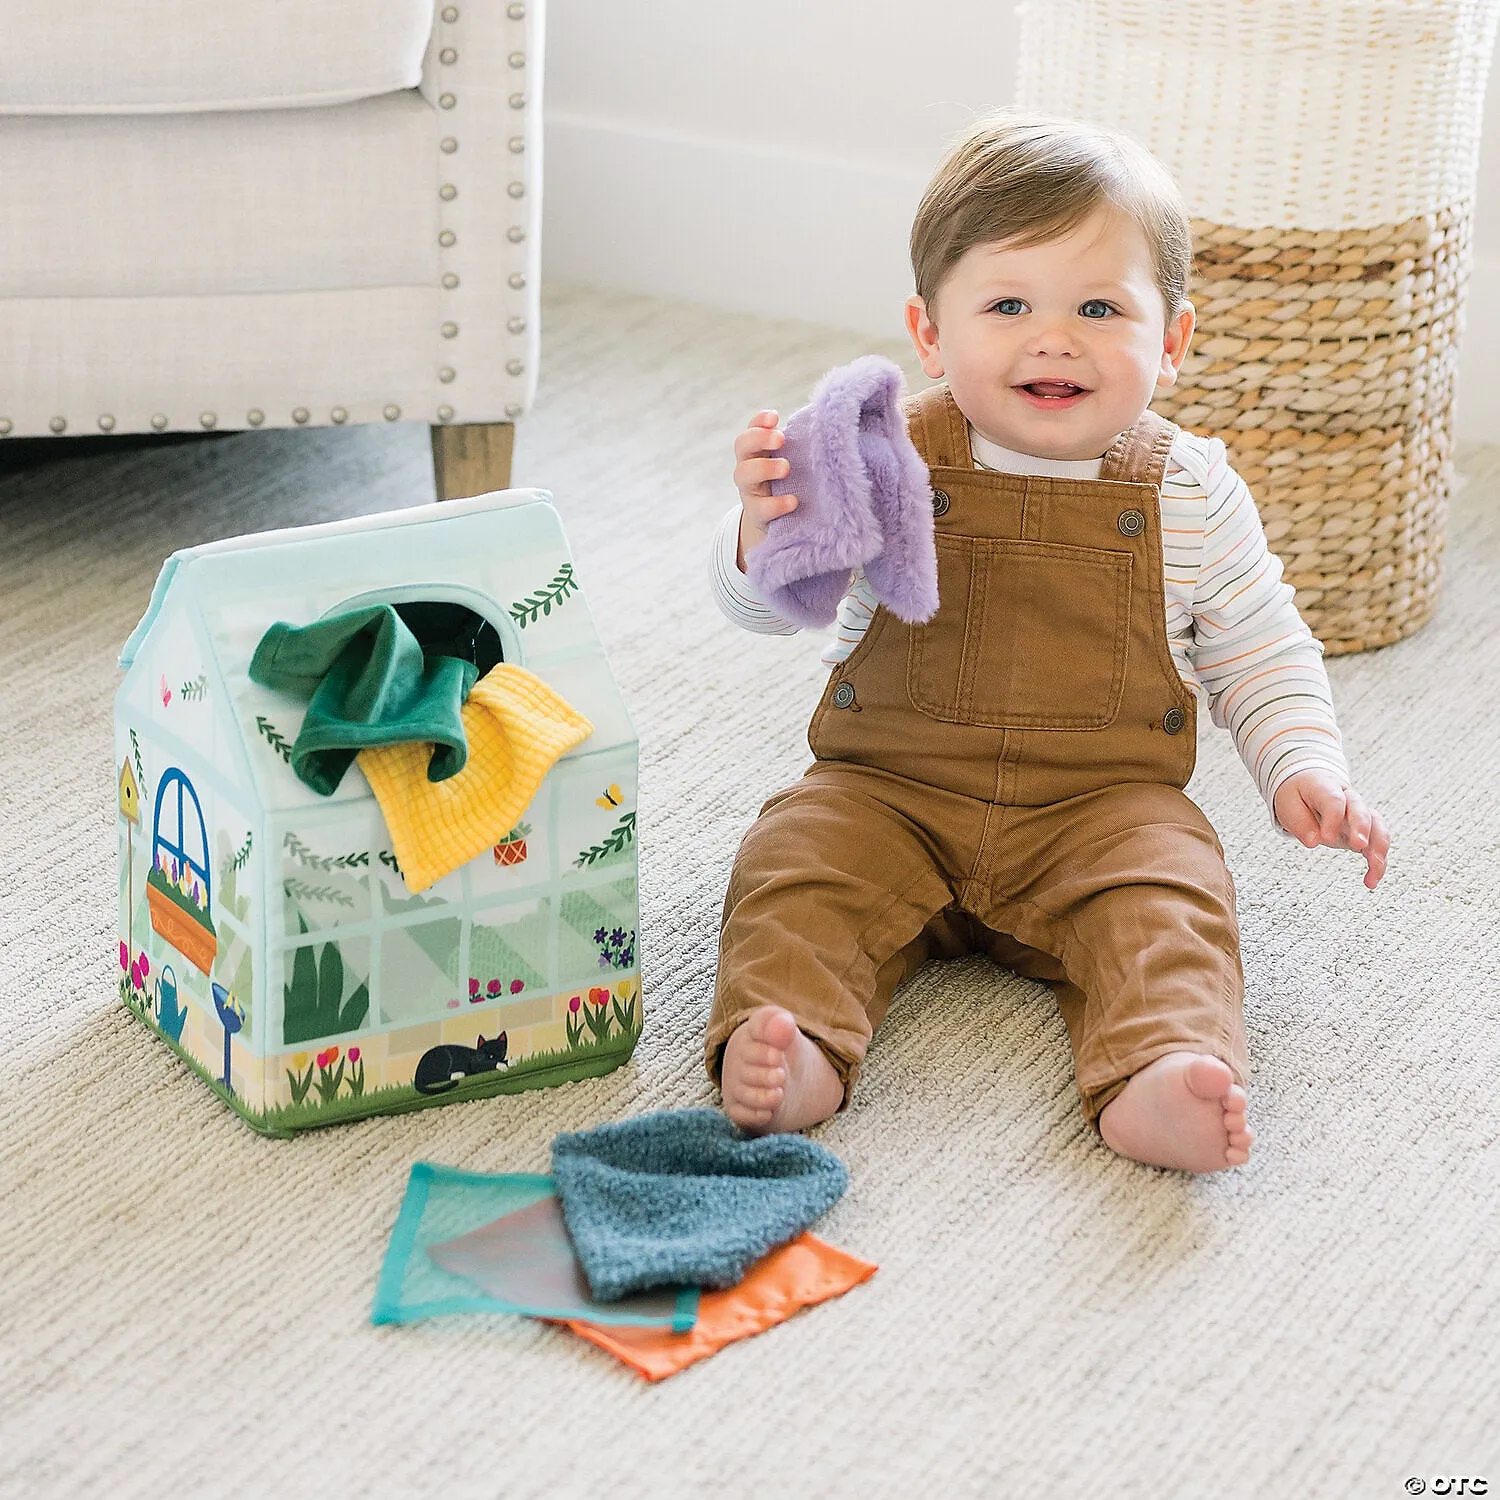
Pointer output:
445, 629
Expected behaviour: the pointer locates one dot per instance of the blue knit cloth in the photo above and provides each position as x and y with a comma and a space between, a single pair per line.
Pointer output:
681, 1197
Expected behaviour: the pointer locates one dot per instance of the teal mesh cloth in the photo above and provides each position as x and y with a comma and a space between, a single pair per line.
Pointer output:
444, 1205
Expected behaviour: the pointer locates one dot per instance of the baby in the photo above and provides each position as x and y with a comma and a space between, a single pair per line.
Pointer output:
1007, 778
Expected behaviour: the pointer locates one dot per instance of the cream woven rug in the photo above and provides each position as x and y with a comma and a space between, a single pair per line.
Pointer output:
183, 1306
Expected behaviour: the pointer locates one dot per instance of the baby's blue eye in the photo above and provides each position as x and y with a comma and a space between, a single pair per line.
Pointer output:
1094, 308
1010, 307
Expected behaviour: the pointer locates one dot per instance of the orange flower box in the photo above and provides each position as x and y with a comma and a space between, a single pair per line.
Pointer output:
195, 942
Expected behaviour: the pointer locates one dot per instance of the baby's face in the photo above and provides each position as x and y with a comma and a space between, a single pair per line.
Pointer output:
1053, 349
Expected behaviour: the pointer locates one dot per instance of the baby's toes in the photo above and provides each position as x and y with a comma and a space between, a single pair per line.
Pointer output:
760, 1096
759, 1055
764, 1079
1235, 1100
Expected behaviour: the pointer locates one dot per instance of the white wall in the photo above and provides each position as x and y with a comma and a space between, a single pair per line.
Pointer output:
767, 157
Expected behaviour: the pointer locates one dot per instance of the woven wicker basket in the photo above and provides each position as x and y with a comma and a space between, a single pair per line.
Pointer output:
1328, 150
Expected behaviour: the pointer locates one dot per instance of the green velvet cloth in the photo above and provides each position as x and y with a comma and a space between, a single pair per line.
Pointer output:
369, 680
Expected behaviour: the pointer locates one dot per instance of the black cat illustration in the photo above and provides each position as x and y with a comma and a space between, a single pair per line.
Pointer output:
440, 1068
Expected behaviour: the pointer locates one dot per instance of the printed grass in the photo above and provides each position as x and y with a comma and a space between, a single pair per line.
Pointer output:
544, 1069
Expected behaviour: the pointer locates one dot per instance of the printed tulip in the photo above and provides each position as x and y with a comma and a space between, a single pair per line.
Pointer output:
354, 1054
473, 989
517, 985
574, 1003
124, 956
493, 988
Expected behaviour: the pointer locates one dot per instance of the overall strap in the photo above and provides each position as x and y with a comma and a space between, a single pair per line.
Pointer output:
939, 429
1139, 454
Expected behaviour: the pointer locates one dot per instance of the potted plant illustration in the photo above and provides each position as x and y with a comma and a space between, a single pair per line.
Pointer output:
511, 850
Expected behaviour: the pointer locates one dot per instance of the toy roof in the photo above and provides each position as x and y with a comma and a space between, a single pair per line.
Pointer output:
503, 554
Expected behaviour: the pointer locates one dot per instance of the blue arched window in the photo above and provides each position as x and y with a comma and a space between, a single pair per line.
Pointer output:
173, 833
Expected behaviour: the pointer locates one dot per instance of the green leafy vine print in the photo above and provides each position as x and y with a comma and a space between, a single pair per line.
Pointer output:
620, 838
242, 855
325, 862
140, 768
303, 892
274, 738
540, 603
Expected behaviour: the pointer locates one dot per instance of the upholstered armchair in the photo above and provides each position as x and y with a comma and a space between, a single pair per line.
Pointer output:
272, 213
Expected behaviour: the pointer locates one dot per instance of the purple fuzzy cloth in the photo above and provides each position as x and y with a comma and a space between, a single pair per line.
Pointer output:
863, 501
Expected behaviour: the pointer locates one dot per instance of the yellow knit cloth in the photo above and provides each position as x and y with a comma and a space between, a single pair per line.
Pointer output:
517, 727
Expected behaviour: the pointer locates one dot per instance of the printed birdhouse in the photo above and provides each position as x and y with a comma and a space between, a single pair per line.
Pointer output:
296, 921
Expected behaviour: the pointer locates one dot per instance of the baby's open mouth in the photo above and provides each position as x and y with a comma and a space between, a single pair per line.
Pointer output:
1053, 392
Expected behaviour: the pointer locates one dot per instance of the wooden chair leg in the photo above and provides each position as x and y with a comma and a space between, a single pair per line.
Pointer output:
472, 459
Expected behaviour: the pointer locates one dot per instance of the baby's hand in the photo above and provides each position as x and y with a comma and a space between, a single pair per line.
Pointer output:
1317, 808
755, 449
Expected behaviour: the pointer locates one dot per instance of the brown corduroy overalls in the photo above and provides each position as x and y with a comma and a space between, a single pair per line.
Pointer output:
1006, 778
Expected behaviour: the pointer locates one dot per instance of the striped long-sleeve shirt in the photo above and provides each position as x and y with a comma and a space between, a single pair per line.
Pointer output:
1234, 631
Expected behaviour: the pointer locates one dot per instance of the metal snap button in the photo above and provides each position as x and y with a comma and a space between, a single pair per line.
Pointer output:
1132, 523
940, 502
843, 695
1173, 720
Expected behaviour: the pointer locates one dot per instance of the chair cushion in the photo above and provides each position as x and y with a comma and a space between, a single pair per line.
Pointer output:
152, 56
202, 204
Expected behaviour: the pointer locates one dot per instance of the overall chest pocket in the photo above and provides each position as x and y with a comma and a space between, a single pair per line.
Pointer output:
1029, 635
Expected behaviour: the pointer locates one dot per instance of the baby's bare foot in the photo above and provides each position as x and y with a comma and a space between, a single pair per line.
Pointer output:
776, 1078
1185, 1110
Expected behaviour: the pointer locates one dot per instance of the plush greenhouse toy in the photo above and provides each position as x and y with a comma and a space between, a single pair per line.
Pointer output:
377, 816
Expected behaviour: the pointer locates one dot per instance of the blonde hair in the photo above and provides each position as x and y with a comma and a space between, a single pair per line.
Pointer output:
1025, 179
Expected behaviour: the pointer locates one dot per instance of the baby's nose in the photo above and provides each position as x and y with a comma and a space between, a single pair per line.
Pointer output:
1052, 338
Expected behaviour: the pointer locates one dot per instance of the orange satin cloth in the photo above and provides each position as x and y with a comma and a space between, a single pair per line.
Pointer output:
800, 1274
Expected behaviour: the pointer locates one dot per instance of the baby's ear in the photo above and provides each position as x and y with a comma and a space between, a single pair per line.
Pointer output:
1174, 345
924, 338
